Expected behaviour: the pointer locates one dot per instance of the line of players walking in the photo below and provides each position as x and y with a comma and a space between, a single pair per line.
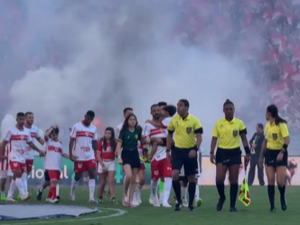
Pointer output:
17, 154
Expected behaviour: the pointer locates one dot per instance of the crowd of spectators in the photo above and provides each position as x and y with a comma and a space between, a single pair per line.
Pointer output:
265, 34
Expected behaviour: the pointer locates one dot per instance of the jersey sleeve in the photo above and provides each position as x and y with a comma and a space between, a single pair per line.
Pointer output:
165, 122
8, 136
73, 132
146, 130
29, 138
242, 128
171, 126
121, 136
197, 126
283, 130
215, 131
99, 146
37, 135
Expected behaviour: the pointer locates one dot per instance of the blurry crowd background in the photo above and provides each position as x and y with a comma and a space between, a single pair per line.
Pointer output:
265, 34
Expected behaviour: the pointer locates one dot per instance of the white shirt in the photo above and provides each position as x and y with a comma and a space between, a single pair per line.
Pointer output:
54, 151
18, 142
119, 128
84, 136
34, 133
155, 132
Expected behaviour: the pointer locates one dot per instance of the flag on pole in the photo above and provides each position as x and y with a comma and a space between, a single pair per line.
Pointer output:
244, 193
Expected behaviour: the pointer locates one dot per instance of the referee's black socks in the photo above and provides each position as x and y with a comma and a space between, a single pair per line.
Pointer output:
233, 194
221, 190
281, 189
271, 194
192, 189
177, 190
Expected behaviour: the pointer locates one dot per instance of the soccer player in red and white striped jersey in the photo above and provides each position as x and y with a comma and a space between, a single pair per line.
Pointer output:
18, 137
83, 143
53, 164
29, 154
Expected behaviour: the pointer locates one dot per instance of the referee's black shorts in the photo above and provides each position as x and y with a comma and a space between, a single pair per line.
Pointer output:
229, 157
180, 157
271, 158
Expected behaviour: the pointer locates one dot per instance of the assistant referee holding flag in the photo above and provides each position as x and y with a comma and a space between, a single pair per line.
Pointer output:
274, 150
184, 151
227, 132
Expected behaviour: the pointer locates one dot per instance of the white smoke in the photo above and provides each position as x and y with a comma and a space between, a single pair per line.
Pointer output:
114, 56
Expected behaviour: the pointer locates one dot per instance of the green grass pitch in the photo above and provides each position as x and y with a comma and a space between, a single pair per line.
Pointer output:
256, 214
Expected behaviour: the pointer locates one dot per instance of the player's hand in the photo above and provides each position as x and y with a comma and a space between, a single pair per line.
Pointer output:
212, 158
168, 156
73, 158
120, 161
260, 162
55, 125
103, 166
42, 153
246, 160
147, 140
192, 153
279, 156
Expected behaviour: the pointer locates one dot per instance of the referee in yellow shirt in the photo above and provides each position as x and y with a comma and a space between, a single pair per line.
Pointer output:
226, 135
274, 150
185, 127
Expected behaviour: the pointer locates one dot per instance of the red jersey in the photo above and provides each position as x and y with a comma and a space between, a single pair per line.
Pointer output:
108, 153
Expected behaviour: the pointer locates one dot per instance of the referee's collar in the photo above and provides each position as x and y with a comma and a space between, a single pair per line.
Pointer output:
232, 121
186, 117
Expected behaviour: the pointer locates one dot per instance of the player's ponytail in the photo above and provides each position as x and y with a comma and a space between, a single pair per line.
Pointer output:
278, 120
273, 110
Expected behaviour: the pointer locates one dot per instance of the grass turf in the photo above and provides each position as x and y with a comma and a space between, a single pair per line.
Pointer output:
257, 213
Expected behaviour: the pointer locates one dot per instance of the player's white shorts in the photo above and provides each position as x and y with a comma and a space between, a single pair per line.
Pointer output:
6, 173
110, 165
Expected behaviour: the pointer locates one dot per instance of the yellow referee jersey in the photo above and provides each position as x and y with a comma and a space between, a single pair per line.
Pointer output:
275, 134
184, 130
228, 132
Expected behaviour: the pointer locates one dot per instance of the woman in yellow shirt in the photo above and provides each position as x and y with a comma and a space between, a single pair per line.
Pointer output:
274, 150
226, 135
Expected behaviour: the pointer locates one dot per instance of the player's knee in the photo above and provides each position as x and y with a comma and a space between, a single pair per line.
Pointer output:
129, 177
191, 178
175, 175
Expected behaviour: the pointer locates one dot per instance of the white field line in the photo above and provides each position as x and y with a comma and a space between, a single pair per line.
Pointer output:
117, 212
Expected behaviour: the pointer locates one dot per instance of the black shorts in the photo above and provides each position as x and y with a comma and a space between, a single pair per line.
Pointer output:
131, 157
180, 157
229, 157
46, 175
271, 158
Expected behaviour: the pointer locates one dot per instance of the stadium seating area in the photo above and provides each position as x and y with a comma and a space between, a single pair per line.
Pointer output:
265, 34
